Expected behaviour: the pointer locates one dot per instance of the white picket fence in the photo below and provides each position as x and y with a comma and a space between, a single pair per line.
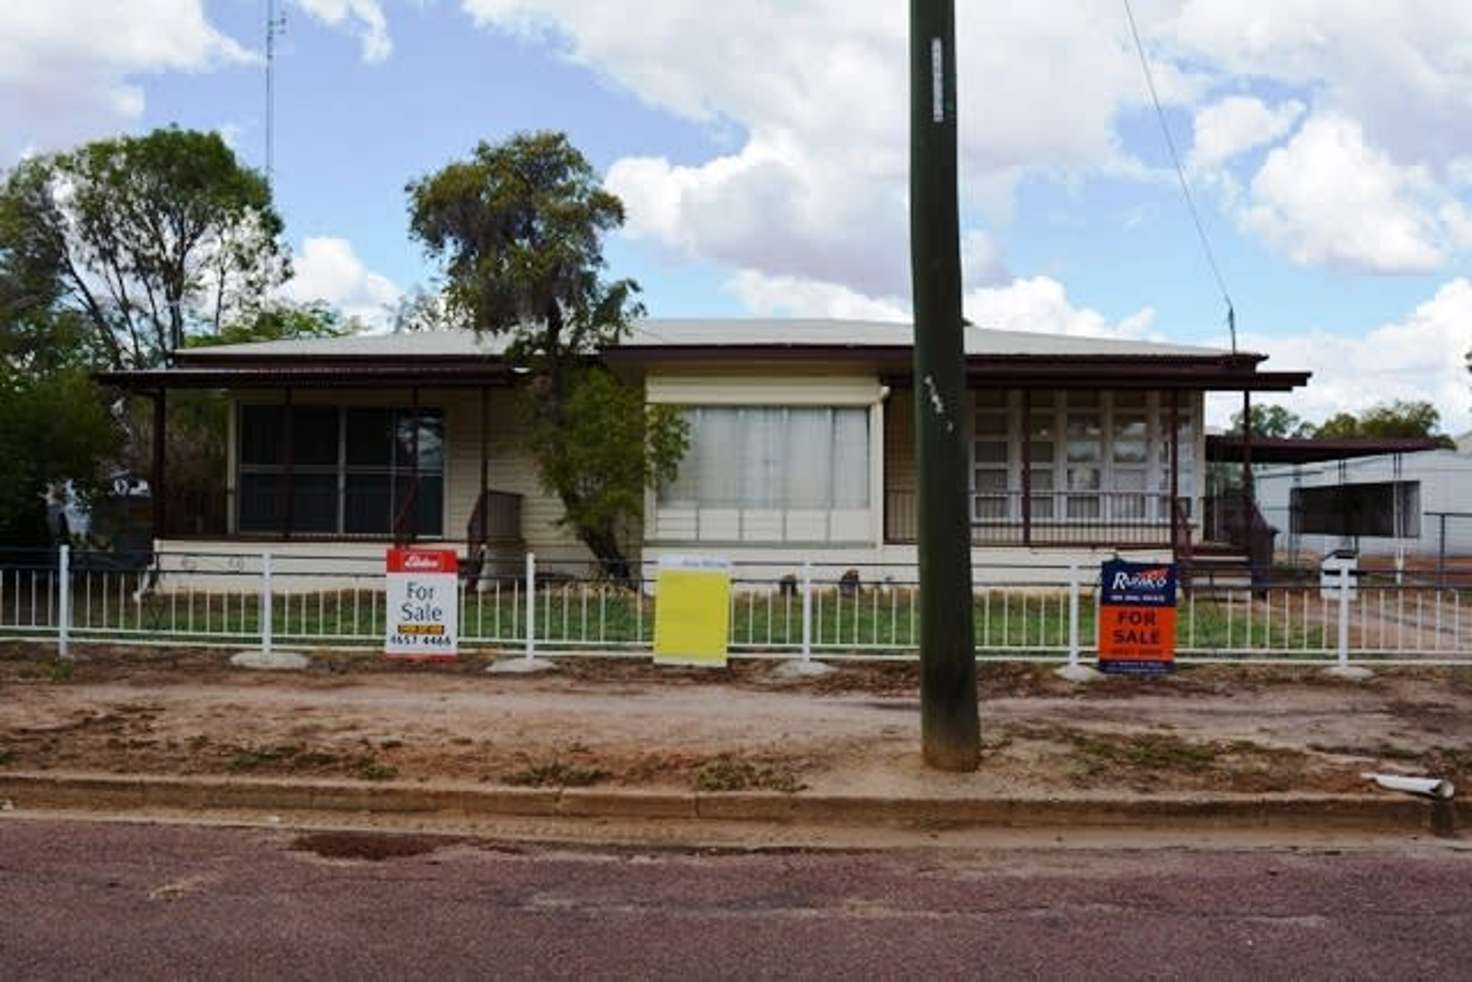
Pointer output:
558, 607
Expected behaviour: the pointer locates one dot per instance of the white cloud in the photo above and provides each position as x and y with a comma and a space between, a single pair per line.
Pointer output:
1235, 125
328, 269
1038, 304
69, 68
818, 87
1419, 357
1328, 198
820, 90
363, 18
1398, 67
791, 296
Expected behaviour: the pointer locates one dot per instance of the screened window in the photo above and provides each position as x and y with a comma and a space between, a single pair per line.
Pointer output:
773, 457
352, 470
1093, 455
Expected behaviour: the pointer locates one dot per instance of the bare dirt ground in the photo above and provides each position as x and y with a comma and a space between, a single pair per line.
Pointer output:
626, 723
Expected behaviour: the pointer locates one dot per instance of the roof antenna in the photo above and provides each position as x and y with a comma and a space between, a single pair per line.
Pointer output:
275, 25
1175, 158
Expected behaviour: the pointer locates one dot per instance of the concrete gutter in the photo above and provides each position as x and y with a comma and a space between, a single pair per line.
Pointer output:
1301, 813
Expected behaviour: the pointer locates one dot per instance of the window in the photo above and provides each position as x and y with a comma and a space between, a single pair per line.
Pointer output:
773, 457
352, 470
991, 455
1094, 455
1084, 445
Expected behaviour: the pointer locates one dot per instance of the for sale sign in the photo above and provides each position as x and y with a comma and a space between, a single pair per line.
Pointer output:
1137, 617
423, 604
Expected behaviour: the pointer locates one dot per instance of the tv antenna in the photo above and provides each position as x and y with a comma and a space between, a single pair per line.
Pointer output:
275, 25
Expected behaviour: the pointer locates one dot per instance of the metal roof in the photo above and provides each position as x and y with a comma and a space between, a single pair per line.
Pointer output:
1228, 448
706, 333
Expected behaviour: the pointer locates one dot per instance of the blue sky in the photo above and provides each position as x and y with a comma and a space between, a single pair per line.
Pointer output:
761, 153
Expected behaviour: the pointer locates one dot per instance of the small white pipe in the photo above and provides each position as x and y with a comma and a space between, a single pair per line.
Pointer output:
1073, 641
266, 603
531, 606
1426, 787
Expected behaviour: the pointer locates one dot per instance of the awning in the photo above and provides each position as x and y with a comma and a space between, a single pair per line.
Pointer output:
1228, 448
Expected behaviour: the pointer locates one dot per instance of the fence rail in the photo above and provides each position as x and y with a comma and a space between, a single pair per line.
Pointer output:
306, 600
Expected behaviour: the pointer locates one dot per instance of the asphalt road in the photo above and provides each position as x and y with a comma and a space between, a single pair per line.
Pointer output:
80, 900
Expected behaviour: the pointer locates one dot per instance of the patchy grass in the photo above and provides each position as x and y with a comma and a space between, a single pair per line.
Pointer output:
7, 757
556, 773
370, 768
1147, 751
61, 672
726, 773
280, 757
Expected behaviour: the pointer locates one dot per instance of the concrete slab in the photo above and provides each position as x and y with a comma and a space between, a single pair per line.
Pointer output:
271, 661
797, 668
521, 665
1079, 673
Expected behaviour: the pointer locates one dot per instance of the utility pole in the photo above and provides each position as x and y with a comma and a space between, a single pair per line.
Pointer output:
949, 727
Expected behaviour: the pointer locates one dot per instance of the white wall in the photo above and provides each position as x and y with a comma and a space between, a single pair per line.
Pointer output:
1446, 485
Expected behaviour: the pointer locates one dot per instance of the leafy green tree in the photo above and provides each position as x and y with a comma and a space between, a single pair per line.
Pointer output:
280, 321
1274, 422
1338, 426
518, 230
150, 238
1400, 418
55, 425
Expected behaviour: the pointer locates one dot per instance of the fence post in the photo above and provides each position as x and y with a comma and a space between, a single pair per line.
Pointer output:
266, 604
1441, 556
531, 606
1343, 617
807, 611
1073, 616
63, 602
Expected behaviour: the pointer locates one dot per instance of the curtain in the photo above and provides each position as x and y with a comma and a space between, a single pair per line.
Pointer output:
797, 457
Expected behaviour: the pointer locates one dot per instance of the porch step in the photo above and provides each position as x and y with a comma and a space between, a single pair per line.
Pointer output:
1220, 567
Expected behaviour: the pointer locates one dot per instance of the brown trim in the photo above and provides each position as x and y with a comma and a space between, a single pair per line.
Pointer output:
1215, 373
1027, 467
157, 479
1116, 376
287, 471
479, 513
1247, 445
1175, 462
275, 378
1228, 448
900, 354
414, 465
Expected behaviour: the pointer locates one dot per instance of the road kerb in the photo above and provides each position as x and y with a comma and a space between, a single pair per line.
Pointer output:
1282, 812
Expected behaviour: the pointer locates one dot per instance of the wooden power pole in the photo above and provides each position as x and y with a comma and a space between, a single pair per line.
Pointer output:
949, 727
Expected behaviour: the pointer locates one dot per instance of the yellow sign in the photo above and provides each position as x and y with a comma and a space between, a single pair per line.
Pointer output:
692, 611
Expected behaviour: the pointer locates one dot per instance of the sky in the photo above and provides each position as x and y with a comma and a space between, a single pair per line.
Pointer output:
761, 150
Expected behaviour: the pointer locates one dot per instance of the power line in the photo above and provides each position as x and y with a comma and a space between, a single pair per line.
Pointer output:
1175, 159
275, 24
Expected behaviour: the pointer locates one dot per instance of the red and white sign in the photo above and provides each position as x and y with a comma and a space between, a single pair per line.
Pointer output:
423, 603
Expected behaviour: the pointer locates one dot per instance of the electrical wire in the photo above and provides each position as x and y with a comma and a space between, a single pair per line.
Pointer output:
1175, 158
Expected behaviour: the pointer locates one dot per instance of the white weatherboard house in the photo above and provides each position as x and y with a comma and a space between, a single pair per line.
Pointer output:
802, 445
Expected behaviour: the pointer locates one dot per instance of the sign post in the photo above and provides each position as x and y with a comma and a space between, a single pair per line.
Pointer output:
423, 604
692, 611
1137, 617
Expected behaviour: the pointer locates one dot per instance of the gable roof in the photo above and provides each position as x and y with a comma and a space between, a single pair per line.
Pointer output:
712, 335
1017, 359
